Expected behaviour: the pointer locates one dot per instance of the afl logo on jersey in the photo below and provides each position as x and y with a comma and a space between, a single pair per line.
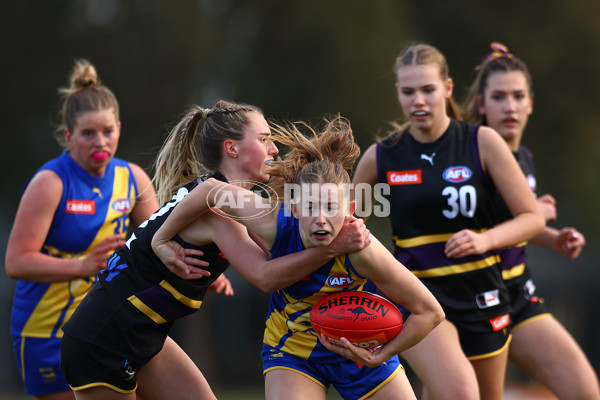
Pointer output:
121, 205
457, 174
339, 281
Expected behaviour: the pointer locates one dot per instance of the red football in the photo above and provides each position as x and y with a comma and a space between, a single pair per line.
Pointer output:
365, 319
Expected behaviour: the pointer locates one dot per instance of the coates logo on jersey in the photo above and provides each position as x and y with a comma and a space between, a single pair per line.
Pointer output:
339, 281
412, 177
80, 207
457, 174
121, 205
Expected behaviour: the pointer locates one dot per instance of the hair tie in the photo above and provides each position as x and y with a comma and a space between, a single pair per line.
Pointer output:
205, 112
498, 51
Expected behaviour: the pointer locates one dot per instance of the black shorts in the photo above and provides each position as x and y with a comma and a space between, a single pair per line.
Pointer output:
525, 305
483, 339
478, 304
86, 365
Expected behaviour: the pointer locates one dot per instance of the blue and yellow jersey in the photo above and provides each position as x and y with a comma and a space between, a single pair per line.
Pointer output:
287, 324
91, 209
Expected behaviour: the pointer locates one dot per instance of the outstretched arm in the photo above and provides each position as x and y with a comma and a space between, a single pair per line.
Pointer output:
250, 260
353, 236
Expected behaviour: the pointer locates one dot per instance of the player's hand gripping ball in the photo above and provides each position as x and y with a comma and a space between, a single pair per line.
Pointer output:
365, 319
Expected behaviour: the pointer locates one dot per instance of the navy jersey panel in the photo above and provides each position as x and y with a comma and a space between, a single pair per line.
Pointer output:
436, 190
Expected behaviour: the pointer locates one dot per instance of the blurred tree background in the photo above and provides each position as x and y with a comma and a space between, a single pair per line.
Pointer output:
302, 60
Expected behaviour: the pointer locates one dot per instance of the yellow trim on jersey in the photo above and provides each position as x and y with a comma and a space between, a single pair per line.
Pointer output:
195, 304
517, 270
54, 252
427, 239
493, 353
48, 310
297, 371
458, 268
153, 315
528, 320
121, 186
521, 244
108, 385
382, 384
156, 317
421, 240
23, 358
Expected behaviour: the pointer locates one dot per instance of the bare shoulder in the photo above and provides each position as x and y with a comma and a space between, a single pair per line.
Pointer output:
489, 138
370, 155
139, 173
366, 169
44, 185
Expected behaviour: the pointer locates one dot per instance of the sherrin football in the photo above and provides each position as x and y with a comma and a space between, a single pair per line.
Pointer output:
365, 319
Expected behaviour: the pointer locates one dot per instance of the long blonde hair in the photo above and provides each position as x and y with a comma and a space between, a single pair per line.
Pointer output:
195, 144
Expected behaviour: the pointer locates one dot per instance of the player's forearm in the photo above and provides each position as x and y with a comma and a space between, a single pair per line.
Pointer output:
284, 271
416, 327
523, 227
39, 267
547, 238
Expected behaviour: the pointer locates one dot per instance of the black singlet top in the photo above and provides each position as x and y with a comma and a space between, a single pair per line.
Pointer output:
135, 301
436, 190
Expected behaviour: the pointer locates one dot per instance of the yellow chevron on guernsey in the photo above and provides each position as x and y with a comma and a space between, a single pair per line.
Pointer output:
427, 239
195, 304
458, 268
517, 270
54, 252
156, 317
153, 315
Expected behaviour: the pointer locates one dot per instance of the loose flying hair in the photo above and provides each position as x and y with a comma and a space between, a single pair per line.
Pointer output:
195, 145
500, 60
85, 93
424, 54
324, 157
